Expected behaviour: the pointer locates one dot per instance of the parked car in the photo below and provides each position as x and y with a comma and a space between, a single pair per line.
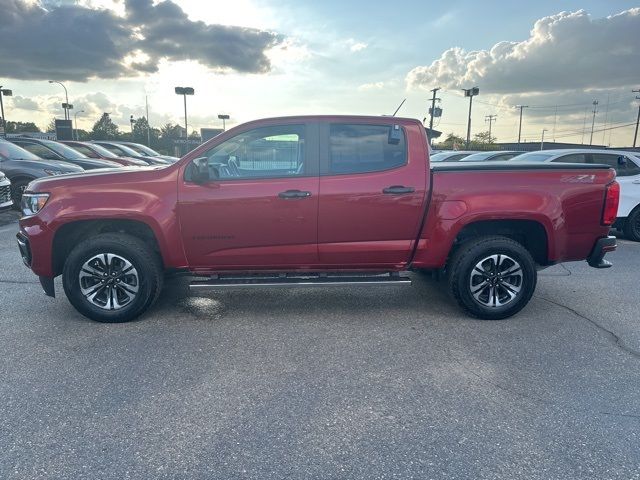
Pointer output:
125, 151
22, 167
452, 156
93, 150
315, 201
5, 192
50, 150
147, 151
495, 156
627, 167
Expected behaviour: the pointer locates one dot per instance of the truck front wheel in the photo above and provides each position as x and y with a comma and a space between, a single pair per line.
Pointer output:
112, 277
492, 278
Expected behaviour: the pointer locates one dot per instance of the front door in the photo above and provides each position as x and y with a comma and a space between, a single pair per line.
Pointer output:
372, 194
259, 209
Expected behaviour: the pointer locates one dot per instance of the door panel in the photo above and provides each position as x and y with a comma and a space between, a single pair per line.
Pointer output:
242, 220
360, 226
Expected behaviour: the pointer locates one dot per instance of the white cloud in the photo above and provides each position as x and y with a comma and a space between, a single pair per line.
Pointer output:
566, 51
25, 103
371, 86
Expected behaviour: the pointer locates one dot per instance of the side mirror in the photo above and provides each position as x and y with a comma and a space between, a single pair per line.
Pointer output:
199, 170
622, 160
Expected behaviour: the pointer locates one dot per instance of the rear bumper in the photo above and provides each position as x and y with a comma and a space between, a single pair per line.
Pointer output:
600, 249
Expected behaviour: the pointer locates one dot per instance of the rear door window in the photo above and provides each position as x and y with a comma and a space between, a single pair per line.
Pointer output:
364, 148
625, 169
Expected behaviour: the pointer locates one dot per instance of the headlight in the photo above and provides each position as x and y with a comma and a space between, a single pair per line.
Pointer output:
32, 203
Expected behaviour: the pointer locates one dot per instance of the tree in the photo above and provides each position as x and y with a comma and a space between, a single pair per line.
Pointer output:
452, 142
51, 126
139, 134
105, 129
484, 138
21, 127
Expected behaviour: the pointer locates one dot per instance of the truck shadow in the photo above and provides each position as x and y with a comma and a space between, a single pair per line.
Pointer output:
341, 304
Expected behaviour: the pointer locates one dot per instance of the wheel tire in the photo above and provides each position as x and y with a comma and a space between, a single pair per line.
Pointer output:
632, 226
17, 189
463, 271
148, 272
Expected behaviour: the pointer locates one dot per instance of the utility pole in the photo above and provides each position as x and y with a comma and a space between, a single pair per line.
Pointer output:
433, 107
471, 92
542, 139
635, 135
521, 107
6, 93
491, 119
593, 121
146, 102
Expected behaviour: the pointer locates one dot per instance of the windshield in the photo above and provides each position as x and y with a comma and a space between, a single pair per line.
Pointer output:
477, 157
103, 151
14, 152
127, 150
143, 149
66, 152
439, 157
532, 157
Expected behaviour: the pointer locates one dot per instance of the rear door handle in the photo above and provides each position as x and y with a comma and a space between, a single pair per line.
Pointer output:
398, 190
291, 194
636, 182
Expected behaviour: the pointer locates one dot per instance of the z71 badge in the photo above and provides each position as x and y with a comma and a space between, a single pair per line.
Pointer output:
578, 178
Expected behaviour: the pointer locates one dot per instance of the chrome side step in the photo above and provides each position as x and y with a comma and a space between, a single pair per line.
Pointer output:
299, 281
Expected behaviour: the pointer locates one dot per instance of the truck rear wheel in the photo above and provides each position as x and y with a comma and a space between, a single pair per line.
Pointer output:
492, 278
112, 277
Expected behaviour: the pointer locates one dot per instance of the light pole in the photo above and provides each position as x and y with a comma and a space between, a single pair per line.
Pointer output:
593, 121
4, 92
542, 139
132, 122
521, 107
75, 122
66, 96
223, 118
184, 91
471, 92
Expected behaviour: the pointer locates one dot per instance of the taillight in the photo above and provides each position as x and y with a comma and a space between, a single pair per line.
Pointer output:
611, 201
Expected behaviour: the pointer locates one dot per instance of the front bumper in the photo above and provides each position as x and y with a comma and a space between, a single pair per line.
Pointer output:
600, 249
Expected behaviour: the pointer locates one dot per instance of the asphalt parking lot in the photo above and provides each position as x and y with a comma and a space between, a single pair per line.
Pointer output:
356, 382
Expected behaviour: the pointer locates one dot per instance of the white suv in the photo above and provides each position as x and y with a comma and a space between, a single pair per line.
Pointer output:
626, 165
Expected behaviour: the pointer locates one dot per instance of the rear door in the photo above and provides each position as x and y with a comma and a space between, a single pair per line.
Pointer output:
259, 210
373, 184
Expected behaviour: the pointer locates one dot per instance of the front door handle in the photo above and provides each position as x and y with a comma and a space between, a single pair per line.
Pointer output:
398, 190
291, 194
636, 182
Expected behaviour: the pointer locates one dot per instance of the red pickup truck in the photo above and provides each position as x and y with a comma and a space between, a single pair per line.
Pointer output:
315, 200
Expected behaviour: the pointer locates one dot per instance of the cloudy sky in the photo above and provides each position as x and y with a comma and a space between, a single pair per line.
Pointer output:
257, 58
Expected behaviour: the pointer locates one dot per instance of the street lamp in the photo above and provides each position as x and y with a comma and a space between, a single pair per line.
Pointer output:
542, 139
184, 91
4, 93
223, 118
470, 92
75, 118
65, 106
132, 121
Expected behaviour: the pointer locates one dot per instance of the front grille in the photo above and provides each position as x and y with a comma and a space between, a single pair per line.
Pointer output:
5, 194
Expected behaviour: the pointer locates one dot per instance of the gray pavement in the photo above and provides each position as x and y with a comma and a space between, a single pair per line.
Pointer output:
356, 382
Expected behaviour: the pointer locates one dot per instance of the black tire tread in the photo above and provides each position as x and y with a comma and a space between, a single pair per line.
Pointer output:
129, 242
628, 229
470, 248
